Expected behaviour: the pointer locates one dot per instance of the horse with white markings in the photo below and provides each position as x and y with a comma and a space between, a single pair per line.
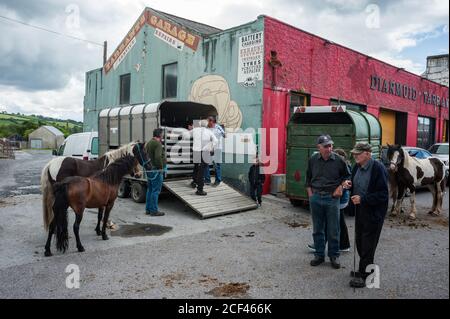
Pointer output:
61, 167
411, 172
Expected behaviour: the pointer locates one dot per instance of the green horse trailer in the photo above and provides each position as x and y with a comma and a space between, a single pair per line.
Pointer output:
346, 128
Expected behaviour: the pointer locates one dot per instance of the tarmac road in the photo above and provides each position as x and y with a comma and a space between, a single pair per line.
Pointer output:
262, 252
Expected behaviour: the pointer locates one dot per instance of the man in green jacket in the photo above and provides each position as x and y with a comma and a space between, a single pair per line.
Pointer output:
155, 177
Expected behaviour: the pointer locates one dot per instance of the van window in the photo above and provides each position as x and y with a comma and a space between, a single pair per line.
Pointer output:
61, 149
94, 146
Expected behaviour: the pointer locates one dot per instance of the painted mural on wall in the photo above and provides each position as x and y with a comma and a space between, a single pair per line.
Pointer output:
214, 90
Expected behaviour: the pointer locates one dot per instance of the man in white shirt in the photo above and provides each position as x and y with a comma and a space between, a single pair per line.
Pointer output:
205, 143
219, 133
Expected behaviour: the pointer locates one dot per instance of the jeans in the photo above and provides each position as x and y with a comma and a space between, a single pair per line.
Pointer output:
344, 240
154, 185
217, 160
325, 216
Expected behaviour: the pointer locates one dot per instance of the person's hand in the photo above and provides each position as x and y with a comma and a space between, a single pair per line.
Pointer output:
356, 199
309, 191
347, 184
338, 192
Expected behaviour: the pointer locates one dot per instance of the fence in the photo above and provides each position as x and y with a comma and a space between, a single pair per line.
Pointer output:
6, 150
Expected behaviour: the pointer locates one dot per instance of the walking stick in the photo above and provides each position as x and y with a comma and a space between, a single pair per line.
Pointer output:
354, 247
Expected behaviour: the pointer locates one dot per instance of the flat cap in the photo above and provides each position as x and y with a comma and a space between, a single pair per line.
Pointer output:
361, 147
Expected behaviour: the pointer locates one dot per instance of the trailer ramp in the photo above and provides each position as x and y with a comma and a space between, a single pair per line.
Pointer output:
220, 200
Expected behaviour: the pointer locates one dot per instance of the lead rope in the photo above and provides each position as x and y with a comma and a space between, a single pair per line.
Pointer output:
145, 163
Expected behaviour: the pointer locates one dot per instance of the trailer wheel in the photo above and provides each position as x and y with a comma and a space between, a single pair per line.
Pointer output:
138, 192
124, 189
296, 202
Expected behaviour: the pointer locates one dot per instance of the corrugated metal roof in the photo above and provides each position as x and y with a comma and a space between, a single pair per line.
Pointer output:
53, 129
200, 28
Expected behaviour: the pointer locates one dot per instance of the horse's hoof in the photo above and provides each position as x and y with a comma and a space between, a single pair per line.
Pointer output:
412, 217
430, 212
435, 214
48, 253
81, 249
99, 233
105, 237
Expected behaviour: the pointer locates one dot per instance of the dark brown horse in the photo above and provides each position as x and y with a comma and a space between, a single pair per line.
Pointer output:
61, 167
98, 191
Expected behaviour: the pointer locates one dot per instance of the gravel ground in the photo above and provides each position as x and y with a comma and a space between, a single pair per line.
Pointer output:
256, 254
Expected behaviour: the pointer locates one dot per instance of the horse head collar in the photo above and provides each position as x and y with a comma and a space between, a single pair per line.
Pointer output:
140, 154
395, 156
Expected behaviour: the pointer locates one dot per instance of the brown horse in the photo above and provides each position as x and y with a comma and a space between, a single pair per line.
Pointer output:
98, 191
61, 167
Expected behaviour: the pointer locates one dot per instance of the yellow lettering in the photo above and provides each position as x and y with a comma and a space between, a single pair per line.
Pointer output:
167, 27
160, 24
182, 35
190, 40
174, 31
153, 20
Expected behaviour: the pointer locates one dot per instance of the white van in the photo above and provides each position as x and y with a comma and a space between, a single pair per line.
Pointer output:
81, 145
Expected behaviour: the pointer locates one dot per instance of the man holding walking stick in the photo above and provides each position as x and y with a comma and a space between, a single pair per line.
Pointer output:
369, 198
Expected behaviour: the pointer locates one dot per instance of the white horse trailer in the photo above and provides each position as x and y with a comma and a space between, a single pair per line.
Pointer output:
122, 125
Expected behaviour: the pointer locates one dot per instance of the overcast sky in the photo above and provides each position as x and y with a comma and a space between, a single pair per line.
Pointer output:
43, 73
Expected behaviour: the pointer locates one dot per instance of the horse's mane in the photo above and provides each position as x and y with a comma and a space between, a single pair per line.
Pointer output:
114, 155
115, 171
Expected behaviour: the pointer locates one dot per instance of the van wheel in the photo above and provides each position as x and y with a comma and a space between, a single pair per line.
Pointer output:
124, 190
138, 192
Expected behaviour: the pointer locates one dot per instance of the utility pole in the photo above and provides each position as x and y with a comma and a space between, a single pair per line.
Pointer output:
105, 52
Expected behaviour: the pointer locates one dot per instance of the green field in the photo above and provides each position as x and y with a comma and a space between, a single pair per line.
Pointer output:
22, 125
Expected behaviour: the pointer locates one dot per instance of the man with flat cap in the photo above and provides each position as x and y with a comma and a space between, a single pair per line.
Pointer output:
326, 176
370, 196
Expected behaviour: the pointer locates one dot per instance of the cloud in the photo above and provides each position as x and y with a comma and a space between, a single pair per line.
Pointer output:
43, 73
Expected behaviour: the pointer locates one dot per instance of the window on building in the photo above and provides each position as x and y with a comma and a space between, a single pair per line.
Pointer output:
125, 83
425, 132
298, 99
349, 106
170, 77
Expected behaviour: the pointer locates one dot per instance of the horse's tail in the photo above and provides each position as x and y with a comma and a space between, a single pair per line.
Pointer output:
47, 196
60, 210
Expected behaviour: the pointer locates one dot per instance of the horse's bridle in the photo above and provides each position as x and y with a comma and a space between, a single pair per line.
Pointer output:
144, 163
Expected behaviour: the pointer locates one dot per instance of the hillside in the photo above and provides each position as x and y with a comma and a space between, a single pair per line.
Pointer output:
22, 125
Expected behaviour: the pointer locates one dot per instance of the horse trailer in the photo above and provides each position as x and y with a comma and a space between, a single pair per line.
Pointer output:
346, 128
122, 125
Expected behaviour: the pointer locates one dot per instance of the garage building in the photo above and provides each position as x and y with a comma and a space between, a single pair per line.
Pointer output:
46, 137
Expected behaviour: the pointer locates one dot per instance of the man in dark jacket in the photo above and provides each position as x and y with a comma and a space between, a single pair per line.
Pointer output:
155, 177
370, 196
256, 178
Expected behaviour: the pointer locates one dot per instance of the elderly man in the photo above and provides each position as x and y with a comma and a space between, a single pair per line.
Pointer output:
326, 176
370, 196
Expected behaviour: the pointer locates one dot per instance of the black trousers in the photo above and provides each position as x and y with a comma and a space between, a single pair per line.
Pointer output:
198, 175
256, 192
367, 236
344, 240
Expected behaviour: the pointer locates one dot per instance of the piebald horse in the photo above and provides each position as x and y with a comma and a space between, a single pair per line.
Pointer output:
409, 172
98, 191
61, 167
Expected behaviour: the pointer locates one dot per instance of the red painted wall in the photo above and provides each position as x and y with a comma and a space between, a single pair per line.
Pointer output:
328, 71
